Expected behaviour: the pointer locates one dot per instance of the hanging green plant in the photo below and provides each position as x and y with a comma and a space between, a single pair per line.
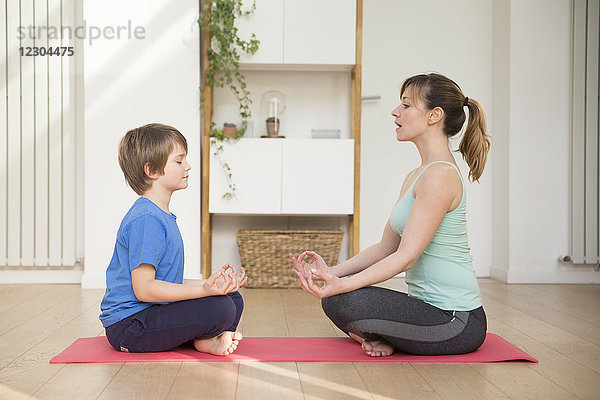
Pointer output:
224, 54
218, 17
226, 169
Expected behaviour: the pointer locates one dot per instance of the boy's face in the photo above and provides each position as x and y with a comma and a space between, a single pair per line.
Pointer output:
176, 170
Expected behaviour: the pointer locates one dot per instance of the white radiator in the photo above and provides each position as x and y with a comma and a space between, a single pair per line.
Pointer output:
38, 204
585, 182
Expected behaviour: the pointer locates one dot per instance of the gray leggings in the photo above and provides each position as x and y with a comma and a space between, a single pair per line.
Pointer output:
409, 324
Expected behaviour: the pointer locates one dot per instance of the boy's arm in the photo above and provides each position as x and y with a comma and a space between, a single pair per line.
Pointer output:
148, 289
194, 282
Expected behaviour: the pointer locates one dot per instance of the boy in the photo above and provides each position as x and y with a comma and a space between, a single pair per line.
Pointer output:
147, 307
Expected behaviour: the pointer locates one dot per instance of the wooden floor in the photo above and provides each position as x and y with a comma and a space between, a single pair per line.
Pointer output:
557, 324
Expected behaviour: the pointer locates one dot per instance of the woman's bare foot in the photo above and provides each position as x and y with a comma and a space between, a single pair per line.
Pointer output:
356, 337
220, 345
377, 348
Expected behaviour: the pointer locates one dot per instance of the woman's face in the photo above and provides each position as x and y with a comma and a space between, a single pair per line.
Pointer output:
410, 117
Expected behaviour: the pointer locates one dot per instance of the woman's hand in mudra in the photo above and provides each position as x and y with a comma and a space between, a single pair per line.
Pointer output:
305, 267
331, 284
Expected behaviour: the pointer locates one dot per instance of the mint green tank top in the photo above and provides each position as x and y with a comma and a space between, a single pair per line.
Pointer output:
443, 275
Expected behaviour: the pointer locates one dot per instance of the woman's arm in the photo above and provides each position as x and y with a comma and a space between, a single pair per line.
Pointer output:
387, 245
433, 199
364, 259
148, 289
369, 256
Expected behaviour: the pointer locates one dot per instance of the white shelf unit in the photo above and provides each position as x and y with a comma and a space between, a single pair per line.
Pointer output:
310, 51
285, 177
301, 32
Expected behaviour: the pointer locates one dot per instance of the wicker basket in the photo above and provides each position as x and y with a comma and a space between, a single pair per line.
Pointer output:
265, 254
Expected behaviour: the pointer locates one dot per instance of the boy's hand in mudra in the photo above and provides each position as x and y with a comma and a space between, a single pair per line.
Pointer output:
223, 282
305, 267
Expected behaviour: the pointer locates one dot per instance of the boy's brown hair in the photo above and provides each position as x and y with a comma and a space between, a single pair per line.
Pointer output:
149, 144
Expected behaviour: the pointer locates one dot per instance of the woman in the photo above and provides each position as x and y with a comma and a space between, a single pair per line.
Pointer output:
426, 237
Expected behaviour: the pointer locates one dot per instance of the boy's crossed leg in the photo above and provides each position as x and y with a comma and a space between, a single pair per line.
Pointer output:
209, 323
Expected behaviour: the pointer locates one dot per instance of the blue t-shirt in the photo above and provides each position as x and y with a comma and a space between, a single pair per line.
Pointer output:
147, 235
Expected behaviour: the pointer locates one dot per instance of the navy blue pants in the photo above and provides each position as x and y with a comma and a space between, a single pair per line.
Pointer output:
163, 327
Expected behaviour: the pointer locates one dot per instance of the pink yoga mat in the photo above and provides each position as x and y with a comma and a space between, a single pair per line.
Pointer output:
277, 349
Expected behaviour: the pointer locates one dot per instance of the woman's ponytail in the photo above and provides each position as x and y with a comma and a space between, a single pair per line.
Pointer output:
475, 143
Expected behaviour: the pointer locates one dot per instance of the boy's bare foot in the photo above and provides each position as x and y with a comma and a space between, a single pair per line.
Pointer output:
220, 345
377, 348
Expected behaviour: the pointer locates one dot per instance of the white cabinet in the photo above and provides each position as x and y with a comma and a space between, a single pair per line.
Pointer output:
301, 32
267, 24
317, 176
256, 169
285, 176
319, 32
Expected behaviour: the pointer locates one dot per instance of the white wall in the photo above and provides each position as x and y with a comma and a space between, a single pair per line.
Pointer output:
404, 38
128, 83
500, 129
539, 103
539, 130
